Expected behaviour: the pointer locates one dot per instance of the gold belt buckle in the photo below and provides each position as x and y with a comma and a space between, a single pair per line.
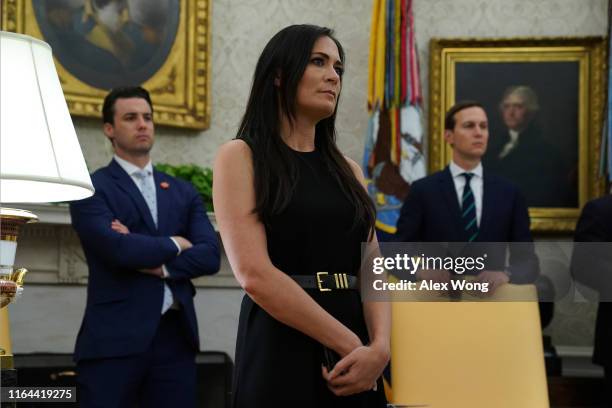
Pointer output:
320, 282
341, 280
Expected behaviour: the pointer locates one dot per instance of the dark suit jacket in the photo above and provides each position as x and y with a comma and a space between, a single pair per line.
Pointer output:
124, 305
592, 265
431, 213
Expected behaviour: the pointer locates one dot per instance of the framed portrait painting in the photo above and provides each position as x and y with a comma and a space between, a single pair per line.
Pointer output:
163, 45
544, 99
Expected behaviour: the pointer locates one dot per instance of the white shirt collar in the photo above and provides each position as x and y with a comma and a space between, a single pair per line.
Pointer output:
131, 168
514, 134
456, 170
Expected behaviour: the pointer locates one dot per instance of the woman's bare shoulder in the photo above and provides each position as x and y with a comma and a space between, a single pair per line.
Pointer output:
234, 147
355, 167
235, 152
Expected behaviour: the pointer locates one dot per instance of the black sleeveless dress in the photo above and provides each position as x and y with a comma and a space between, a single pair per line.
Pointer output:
278, 366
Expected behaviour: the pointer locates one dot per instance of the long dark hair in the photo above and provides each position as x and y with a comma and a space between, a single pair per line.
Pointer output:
286, 56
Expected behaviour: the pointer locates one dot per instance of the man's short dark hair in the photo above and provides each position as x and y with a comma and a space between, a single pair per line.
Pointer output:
108, 109
449, 119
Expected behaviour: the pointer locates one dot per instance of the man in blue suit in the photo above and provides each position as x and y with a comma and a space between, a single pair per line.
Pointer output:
463, 203
145, 235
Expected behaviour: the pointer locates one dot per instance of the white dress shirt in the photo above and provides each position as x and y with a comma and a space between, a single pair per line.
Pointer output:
132, 169
475, 184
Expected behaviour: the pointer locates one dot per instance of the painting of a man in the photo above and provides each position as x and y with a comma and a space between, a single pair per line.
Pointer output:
521, 153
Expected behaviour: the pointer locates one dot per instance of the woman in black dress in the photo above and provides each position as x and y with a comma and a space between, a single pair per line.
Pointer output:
292, 212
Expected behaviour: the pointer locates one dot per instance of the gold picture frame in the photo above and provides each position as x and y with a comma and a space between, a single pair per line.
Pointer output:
169, 54
569, 75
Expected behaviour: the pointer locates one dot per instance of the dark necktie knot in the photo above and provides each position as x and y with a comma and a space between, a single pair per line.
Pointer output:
468, 176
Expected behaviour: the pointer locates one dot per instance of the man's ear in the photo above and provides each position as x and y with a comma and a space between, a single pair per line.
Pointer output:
448, 136
109, 131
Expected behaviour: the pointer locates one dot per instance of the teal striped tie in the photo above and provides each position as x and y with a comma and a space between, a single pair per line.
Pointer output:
468, 209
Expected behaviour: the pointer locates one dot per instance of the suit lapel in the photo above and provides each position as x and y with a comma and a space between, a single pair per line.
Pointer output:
447, 187
163, 191
125, 182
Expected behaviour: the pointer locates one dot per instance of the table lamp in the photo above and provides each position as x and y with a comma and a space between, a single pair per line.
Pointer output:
40, 156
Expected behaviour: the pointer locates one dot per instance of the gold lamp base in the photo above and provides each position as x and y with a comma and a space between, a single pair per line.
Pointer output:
11, 286
9, 290
6, 356
11, 282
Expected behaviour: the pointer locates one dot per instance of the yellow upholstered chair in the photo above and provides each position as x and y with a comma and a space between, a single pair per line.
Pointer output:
469, 354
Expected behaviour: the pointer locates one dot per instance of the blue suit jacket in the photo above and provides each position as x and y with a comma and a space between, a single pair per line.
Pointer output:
124, 305
431, 213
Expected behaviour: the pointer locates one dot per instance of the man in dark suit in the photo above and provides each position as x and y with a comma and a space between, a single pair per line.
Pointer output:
145, 235
463, 203
592, 265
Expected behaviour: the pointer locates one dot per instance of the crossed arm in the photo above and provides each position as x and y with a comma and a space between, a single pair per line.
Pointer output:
160, 271
110, 240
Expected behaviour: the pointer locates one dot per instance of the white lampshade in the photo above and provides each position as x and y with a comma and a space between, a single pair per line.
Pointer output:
40, 155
